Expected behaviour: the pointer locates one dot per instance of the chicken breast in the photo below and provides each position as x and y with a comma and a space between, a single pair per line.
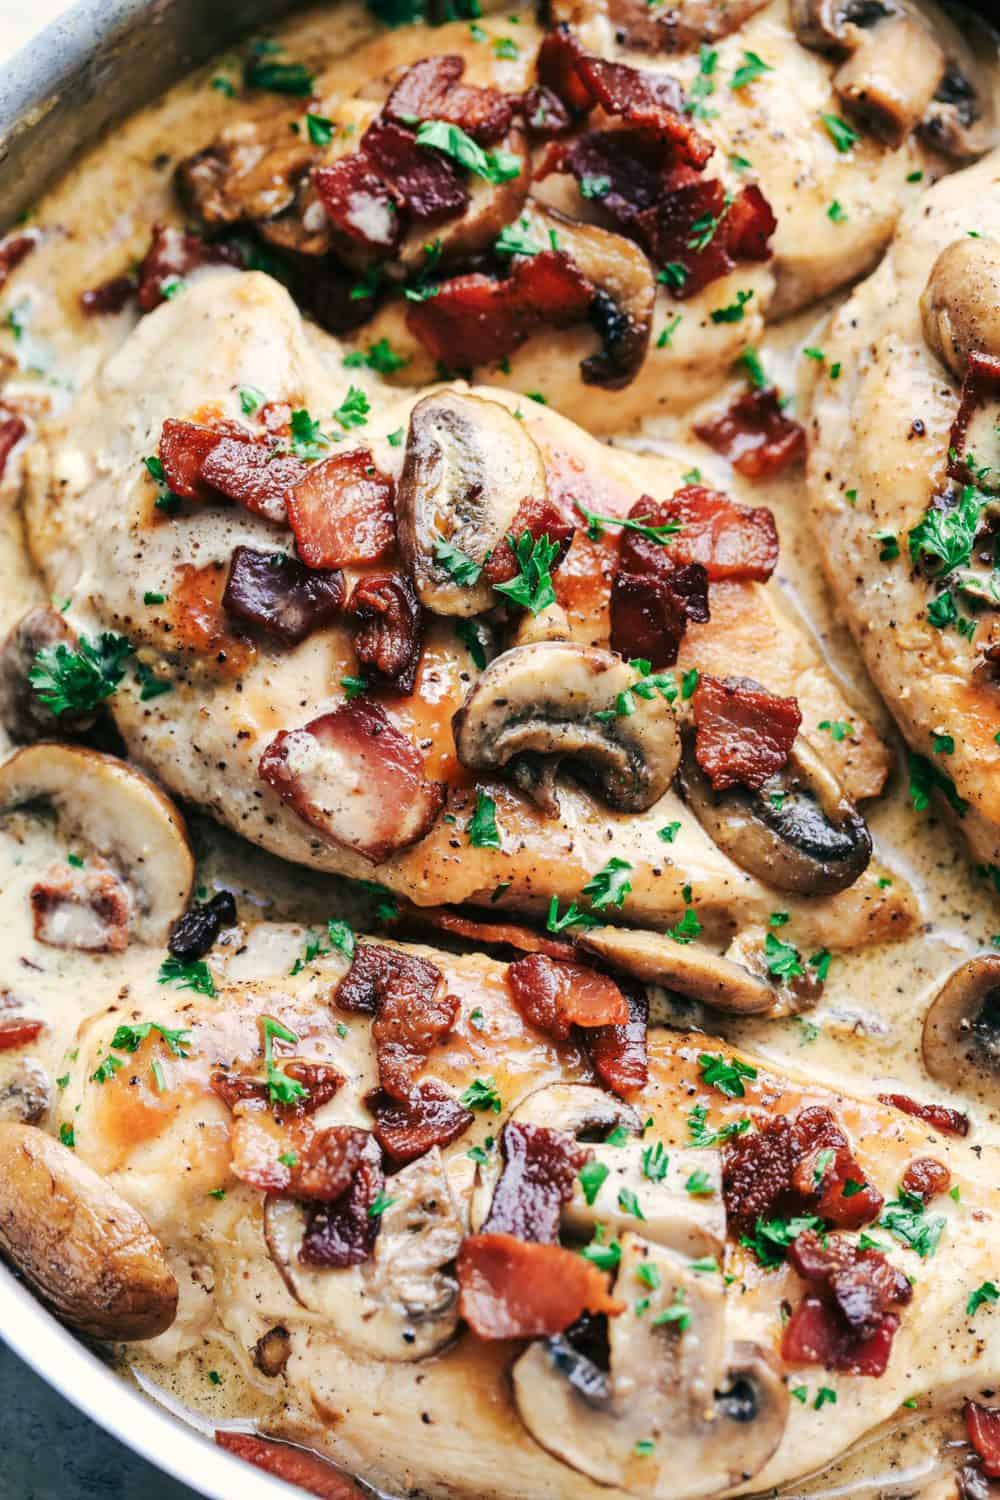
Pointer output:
879, 468
157, 577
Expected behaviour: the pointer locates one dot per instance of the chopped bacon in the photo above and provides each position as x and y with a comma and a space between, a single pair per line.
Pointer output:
500, 934
618, 1052
557, 996
538, 518
13, 249
275, 592
18, 1031
694, 226
193, 934
291, 1157
476, 320
389, 639
358, 204
539, 1174
511, 1290
847, 1323
727, 539
356, 778
251, 473
544, 113
980, 386
648, 620
112, 296
815, 1335
12, 430
938, 1116
744, 734
184, 446
296, 1466
407, 1128
87, 909
341, 511
755, 435
982, 1425
431, 90
174, 253
556, 68
344, 1233
320, 1081
412, 1010
796, 1166
424, 183
925, 1178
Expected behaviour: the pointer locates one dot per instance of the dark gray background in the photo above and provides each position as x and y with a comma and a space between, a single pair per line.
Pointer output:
48, 1451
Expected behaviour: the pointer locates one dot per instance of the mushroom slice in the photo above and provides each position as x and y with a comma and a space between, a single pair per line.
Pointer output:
960, 121
86, 1251
26, 1093
690, 968
680, 1413
583, 1111
622, 312
22, 713
891, 77
122, 816
537, 705
402, 1304
643, 1173
960, 305
799, 833
961, 1033
468, 466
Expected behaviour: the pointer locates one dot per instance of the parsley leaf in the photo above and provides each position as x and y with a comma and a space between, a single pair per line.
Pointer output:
263, 72
451, 140
78, 681
280, 1088
380, 357
482, 828
515, 239
782, 959
687, 929
592, 1177
629, 1203
652, 533
676, 1313
771, 1237
353, 410
129, 1038
986, 1293
701, 1138
925, 778
319, 129
482, 1095
734, 312
907, 1219
468, 633
573, 917
699, 1185
601, 1254
752, 68
840, 133
727, 1077
195, 975
945, 538
655, 1162
457, 564
532, 588
610, 885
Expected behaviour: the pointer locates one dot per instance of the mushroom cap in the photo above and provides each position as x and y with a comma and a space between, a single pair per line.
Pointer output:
544, 700
891, 76
960, 305
961, 1032
121, 814
86, 1251
691, 969
468, 466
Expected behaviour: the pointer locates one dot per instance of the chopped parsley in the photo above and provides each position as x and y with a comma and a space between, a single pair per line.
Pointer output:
727, 1077
515, 239
942, 744
251, 399
107, 1069
674, 274
702, 1139
394, 439
532, 588
824, 1397
986, 1293
752, 68
451, 140
734, 312
668, 832
67, 1135
195, 975
699, 1185
592, 1177
280, 1088
944, 538
77, 681
838, 729
652, 532
572, 917
629, 1203
610, 885
703, 86
380, 357
667, 332
655, 1162
836, 212
782, 959
889, 550
319, 129
942, 612
595, 185
353, 410
482, 829
468, 633
840, 133
925, 778
482, 1095
262, 71
755, 373
907, 1219
354, 686
771, 1237
130, 1038
600, 1253
676, 1313
687, 929
821, 961
506, 48
378, 1208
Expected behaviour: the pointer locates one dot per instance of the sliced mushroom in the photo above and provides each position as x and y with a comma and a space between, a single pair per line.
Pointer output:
402, 1304
22, 714
584, 1112
960, 121
961, 1036
26, 1092
119, 814
622, 313
551, 624
689, 968
891, 77
800, 832
680, 1412
535, 706
678, 25
86, 1251
468, 466
837, 26
960, 305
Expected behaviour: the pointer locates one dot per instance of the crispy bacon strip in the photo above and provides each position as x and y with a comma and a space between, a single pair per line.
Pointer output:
648, 620
296, 1466
343, 1233
18, 1031
925, 1178
341, 511
12, 430
755, 435
356, 778
512, 1290
358, 204
982, 1425
276, 593
540, 1170
251, 473
538, 518
938, 1116
391, 629
407, 1128
815, 1336
476, 320
184, 446
847, 1323
728, 540
412, 1010
619, 1052
785, 1168
743, 734
111, 296
292, 1157
556, 996
425, 184
432, 90
485, 934
173, 254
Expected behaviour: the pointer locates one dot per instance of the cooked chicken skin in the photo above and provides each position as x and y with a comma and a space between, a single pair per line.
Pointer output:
97, 536
879, 446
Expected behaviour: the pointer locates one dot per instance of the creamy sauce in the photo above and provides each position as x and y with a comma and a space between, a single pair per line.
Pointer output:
865, 1031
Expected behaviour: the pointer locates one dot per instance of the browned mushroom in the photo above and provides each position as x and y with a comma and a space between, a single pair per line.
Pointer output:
960, 305
961, 1036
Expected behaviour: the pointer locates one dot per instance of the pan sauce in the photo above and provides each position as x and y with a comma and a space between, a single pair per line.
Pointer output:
865, 1032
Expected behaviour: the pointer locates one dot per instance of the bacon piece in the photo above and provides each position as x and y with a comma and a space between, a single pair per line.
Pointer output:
275, 592
647, 619
538, 518
796, 1166
476, 320
174, 253
982, 1425
18, 1031
184, 446
431, 90
557, 996
692, 225
618, 1052
344, 1233
376, 969
12, 430
755, 435
744, 734
358, 204
342, 511
864, 1285
424, 183
925, 1178
513, 1290
87, 909
633, 166
296, 1466
539, 1174
249, 472
814, 1335
13, 249
195, 933
356, 778
412, 1010
320, 1081
556, 68
938, 1116
544, 113
980, 386
112, 296
499, 934
728, 540
389, 640
407, 1128
289, 1156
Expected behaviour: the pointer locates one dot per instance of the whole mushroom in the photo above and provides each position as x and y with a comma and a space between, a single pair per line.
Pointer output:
960, 305
961, 1035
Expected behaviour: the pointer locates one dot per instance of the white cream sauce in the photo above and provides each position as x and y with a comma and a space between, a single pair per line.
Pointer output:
865, 1031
